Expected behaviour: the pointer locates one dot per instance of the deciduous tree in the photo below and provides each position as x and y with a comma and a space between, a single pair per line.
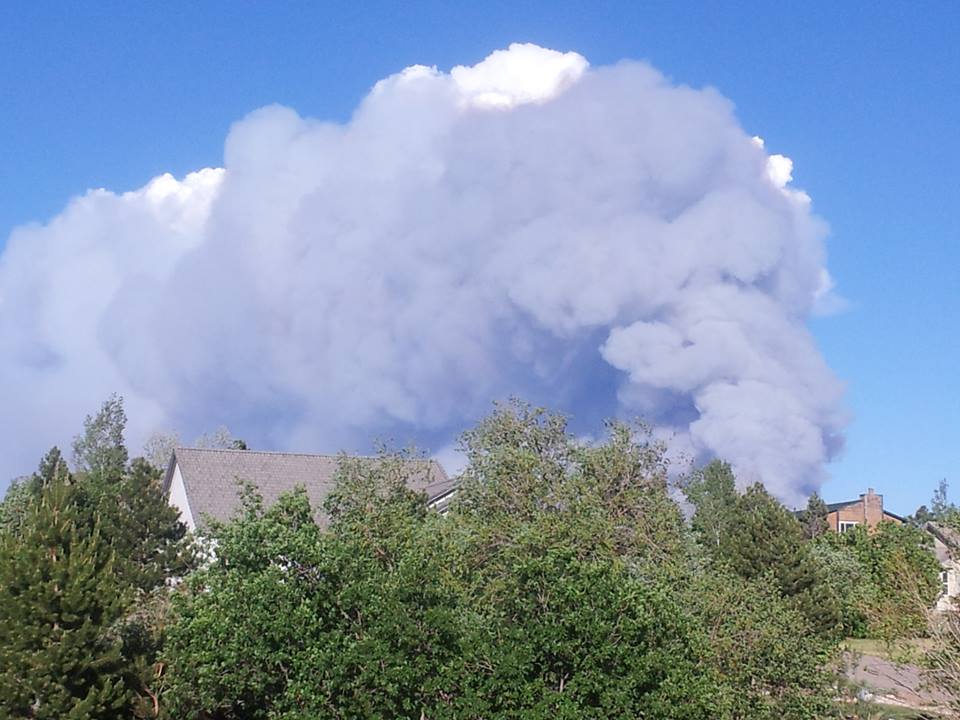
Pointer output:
100, 450
712, 492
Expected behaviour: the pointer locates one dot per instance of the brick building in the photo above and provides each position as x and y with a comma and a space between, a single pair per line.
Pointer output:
867, 510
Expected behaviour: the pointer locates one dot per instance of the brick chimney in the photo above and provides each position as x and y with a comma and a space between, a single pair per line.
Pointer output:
872, 508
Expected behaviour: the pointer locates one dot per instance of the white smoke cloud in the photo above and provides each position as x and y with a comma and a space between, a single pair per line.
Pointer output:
598, 239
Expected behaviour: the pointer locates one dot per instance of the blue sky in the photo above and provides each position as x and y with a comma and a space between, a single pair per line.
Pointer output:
863, 97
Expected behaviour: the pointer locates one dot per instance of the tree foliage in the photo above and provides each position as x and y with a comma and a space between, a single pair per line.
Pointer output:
143, 529
813, 518
899, 577
24, 493
767, 541
770, 664
59, 599
559, 585
713, 493
99, 450
118, 510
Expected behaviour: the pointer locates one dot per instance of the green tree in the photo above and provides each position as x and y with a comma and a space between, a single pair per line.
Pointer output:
22, 494
556, 634
14, 506
58, 601
573, 555
99, 450
291, 621
921, 517
814, 517
770, 664
53, 468
124, 500
142, 528
713, 494
766, 540
843, 577
523, 465
901, 576
940, 505
560, 584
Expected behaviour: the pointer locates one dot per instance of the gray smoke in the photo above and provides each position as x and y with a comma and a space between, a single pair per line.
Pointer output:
597, 239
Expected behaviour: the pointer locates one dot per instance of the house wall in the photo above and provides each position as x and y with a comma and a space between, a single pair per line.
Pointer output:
947, 601
178, 498
949, 567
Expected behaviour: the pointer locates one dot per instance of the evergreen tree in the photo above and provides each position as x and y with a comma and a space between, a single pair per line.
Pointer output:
763, 536
126, 500
58, 599
14, 506
22, 494
53, 468
814, 517
765, 539
142, 528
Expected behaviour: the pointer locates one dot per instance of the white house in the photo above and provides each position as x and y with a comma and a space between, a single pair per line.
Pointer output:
946, 545
203, 483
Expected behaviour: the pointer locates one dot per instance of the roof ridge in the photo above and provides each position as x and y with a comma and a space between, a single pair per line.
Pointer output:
332, 456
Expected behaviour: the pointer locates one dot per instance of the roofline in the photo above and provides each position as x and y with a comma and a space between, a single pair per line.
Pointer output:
168, 475
895, 516
445, 493
831, 507
937, 531
332, 456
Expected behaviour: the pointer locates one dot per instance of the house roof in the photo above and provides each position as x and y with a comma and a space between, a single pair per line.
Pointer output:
833, 507
210, 478
946, 534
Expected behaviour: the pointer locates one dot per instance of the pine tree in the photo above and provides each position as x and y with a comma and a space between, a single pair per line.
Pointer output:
14, 506
53, 468
142, 528
766, 540
763, 536
814, 517
24, 493
58, 601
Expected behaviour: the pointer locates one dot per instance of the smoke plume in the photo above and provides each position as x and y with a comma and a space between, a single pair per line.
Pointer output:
597, 239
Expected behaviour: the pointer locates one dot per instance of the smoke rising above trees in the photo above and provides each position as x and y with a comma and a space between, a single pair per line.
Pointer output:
599, 238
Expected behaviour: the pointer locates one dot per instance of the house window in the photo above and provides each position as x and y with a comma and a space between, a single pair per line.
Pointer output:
845, 525
944, 583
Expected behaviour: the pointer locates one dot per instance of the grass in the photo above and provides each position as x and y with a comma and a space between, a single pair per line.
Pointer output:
896, 652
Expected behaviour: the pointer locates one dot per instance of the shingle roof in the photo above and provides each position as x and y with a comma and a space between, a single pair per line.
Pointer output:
833, 507
210, 478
